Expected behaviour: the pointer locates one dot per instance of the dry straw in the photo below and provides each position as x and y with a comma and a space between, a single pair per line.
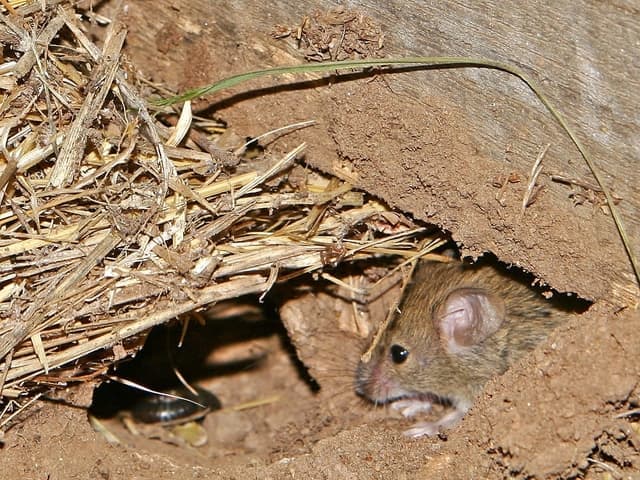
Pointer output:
112, 223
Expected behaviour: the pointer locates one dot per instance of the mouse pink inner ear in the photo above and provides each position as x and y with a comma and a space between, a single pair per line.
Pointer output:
468, 317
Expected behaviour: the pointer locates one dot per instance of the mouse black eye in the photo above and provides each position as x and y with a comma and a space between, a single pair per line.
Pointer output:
398, 353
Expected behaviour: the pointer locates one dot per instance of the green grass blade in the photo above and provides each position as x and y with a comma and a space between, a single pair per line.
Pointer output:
461, 62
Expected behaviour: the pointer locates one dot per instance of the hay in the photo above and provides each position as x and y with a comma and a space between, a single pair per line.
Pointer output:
112, 222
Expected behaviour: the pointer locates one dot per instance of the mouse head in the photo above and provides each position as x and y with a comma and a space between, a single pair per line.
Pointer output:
442, 343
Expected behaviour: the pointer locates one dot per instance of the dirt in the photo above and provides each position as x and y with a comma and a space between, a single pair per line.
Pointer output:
559, 413
554, 415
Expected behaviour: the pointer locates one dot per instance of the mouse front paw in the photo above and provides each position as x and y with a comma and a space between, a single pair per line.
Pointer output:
423, 429
430, 429
410, 407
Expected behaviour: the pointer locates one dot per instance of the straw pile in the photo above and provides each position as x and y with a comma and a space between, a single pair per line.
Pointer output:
112, 223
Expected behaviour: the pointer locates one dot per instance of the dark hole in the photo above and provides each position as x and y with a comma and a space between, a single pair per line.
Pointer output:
568, 302
153, 366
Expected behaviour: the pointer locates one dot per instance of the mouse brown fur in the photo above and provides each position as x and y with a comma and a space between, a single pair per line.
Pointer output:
457, 326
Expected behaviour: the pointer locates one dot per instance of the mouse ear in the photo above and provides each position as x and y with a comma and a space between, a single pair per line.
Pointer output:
468, 317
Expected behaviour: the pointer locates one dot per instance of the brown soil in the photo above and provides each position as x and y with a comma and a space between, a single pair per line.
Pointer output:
554, 415
551, 416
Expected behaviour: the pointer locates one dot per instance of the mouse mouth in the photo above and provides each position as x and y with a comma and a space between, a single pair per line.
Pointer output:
379, 389
426, 397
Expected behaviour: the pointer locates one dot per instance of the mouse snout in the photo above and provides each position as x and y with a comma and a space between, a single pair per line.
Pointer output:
373, 383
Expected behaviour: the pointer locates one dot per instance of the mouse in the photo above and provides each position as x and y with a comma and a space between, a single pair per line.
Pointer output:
457, 326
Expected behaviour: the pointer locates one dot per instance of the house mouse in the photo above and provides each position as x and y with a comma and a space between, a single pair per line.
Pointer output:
457, 326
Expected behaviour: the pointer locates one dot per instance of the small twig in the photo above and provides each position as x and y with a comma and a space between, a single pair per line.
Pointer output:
628, 413
255, 403
100, 428
7, 5
278, 167
582, 184
616, 475
182, 126
19, 410
271, 281
137, 386
366, 356
533, 177
42, 73
278, 131
8, 173
7, 366
28, 60
579, 183
103, 76
336, 281
184, 382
